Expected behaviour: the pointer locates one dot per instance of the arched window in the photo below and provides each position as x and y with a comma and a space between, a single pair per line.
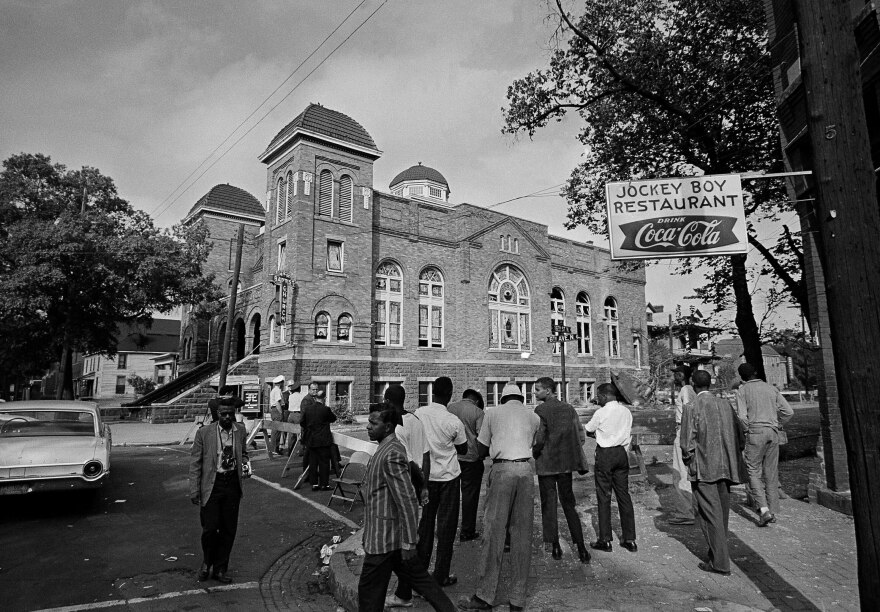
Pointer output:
584, 325
322, 326
325, 194
503, 242
345, 198
272, 330
282, 332
389, 305
557, 314
343, 328
612, 327
431, 311
516, 245
280, 198
289, 193
509, 310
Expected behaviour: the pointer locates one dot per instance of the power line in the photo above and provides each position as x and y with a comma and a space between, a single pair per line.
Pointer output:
287, 95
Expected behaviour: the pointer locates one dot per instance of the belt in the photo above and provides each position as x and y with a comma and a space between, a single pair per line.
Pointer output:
510, 460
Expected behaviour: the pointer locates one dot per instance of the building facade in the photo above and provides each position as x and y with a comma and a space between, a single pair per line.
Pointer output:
356, 289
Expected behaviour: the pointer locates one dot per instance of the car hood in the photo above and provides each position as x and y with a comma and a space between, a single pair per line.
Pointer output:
49, 450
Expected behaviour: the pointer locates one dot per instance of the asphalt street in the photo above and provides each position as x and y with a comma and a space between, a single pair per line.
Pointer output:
139, 538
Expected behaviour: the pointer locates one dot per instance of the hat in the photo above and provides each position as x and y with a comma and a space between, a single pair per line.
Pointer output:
278, 379
511, 389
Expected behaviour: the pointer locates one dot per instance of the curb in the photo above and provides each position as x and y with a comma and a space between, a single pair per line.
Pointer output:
125, 444
343, 583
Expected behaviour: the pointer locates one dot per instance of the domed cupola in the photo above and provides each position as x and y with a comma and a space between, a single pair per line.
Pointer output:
421, 182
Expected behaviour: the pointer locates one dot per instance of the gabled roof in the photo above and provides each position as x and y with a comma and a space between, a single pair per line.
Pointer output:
419, 173
511, 221
228, 198
318, 120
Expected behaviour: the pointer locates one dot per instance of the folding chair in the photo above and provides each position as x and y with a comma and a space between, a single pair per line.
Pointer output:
348, 485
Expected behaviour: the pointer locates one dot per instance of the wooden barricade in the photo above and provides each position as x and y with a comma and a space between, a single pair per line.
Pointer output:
637, 469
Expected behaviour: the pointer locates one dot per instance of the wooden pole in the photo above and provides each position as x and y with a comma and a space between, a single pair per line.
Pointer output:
672, 356
563, 395
230, 312
848, 219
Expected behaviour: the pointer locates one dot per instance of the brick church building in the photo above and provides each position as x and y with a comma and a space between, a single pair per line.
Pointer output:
356, 287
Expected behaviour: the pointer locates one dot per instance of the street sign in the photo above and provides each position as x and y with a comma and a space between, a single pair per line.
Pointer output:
561, 329
562, 338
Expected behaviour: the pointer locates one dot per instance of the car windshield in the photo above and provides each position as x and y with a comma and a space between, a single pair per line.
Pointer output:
28, 423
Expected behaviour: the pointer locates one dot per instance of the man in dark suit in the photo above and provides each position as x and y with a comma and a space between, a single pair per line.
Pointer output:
391, 522
315, 424
219, 462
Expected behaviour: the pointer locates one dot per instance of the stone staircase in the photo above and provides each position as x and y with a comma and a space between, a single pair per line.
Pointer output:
193, 403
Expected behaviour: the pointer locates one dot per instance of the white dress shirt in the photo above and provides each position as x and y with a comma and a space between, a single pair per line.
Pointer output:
443, 430
612, 424
412, 435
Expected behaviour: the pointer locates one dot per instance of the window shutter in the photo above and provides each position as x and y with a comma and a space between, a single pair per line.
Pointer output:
325, 194
345, 199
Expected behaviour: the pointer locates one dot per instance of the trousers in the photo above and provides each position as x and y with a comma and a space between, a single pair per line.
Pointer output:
548, 486
762, 460
219, 520
612, 472
319, 465
712, 511
376, 574
471, 479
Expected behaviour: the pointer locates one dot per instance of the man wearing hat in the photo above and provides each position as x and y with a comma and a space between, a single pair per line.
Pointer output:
507, 436
276, 410
612, 426
682, 513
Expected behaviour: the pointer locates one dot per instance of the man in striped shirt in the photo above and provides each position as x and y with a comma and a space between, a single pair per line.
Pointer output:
390, 522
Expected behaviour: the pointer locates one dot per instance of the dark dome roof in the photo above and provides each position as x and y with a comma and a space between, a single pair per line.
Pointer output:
316, 118
232, 199
419, 173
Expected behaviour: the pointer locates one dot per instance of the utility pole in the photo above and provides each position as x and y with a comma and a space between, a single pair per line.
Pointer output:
230, 311
561, 334
848, 220
672, 355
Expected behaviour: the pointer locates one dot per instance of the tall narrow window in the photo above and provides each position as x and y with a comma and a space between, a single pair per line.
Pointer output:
343, 328
279, 201
584, 326
334, 256
120, 385
273, 335
426, 393
612, 327
325, 194
289, 193
345, 201
322, 326
509, 310
431, 309
637, 352
282, 332
282, 255
557, 314
342, 394
122, 361
389, 305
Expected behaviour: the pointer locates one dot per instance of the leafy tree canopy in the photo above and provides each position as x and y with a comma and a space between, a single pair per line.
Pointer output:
672, 88
76, 260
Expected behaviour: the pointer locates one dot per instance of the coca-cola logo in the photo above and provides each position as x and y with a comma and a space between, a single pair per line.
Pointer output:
678, 234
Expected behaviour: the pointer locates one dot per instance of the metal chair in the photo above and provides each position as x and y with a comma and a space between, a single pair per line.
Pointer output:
348, 486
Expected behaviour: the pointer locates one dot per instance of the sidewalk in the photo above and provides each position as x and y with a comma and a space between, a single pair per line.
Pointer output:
805, 561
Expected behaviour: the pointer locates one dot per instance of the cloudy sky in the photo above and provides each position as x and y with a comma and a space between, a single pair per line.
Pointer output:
146, 91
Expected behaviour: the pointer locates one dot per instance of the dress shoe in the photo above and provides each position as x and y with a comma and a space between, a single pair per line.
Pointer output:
772, 518
680, 520
600, 545
467, 537
393, 601
708, 567
765, 519
315, 487
222, 577
325, 488
474, 603
583, 553
204, 572
557, 551
630, 545
448, 581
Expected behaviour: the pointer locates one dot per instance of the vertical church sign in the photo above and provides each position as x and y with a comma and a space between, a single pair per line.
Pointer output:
676, 217
281, 281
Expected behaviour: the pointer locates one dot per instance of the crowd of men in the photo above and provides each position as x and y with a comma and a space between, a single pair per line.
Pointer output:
429, 465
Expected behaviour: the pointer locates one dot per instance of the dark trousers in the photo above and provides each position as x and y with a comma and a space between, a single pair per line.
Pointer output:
548, 486
376, 573
219, 519
471, 479
712, 510
442, 509
319, 465
612, 472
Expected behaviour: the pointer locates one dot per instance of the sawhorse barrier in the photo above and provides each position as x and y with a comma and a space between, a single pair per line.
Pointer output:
637, 469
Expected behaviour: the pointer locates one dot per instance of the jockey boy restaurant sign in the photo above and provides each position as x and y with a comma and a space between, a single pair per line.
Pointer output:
676, 217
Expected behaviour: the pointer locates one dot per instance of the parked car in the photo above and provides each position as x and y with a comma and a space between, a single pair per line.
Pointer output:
52, 445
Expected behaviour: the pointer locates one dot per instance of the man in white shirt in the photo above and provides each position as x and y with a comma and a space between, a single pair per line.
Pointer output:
612, 426
682, 512
276, 411
412, 435
446, 438
294, 415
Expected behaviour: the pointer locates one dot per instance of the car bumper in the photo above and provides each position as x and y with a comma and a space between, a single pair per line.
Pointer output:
24, 487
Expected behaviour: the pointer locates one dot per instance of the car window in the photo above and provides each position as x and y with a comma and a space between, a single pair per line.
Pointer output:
29, 423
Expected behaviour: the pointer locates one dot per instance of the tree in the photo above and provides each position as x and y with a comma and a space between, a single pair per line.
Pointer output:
141, 385
675, 88
76, 260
